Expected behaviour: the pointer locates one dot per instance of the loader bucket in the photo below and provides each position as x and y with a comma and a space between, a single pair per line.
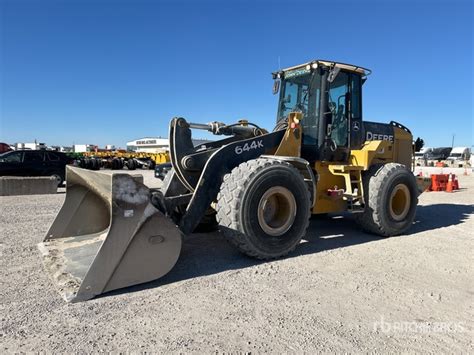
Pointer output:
107, 235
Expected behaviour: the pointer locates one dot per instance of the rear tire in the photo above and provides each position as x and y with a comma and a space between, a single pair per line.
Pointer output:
116, 164
95, 164
88, 163
81, 163
391, 197
131, 165
263, 208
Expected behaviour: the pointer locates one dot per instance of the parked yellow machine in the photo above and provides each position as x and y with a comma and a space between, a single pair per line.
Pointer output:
260, 187
158, 158
116, 160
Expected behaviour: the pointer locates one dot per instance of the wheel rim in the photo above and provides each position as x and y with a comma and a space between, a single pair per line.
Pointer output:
400, 200
276, 211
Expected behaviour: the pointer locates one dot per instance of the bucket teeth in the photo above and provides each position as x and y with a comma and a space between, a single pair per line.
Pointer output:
106, 236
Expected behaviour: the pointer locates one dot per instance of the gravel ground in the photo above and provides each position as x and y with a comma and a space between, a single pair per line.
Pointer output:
341, 290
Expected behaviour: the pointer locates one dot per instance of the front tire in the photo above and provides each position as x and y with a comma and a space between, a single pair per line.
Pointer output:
391, 197
263, 208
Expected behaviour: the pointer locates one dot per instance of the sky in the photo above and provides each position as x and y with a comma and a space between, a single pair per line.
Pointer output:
107, 72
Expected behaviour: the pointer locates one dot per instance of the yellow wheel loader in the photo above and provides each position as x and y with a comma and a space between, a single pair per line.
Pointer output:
259, 187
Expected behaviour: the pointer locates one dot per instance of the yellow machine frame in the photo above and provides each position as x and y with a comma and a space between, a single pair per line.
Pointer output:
346, 178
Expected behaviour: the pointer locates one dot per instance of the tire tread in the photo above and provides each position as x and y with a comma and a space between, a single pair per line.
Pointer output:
370, 220
229, 200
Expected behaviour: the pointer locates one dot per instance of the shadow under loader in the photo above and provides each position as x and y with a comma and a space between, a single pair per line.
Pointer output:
329, 233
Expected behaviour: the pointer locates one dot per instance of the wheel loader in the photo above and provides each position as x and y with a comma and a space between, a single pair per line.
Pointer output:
260, 187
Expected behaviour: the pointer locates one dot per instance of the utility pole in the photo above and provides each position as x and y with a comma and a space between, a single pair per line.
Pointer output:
452, 142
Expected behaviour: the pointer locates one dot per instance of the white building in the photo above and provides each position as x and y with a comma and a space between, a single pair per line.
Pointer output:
60, 148
82, 148
149, 145
30, 146
155, 144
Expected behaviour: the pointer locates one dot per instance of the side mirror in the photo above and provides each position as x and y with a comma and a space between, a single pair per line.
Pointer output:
333, 74
276, 87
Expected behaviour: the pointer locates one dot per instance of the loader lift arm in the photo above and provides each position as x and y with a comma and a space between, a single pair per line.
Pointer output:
198, 172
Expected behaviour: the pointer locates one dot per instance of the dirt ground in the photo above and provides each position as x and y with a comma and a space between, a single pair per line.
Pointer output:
342, 290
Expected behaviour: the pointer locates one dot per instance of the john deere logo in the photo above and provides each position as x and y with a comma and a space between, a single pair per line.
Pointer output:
379, 137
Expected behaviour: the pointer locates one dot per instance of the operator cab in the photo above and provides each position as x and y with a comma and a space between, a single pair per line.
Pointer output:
329, 95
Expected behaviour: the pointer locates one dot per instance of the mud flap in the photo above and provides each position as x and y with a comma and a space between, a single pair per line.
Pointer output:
107, 235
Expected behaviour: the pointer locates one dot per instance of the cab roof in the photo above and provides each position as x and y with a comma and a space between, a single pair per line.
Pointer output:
328, 63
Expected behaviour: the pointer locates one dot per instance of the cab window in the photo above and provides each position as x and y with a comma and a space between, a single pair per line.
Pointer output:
294, 98
337, 102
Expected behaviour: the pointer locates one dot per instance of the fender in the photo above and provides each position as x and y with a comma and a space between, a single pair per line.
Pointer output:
304, 168
221, 162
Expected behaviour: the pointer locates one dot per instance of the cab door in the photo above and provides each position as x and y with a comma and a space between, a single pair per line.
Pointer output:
338, 106
344, 116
